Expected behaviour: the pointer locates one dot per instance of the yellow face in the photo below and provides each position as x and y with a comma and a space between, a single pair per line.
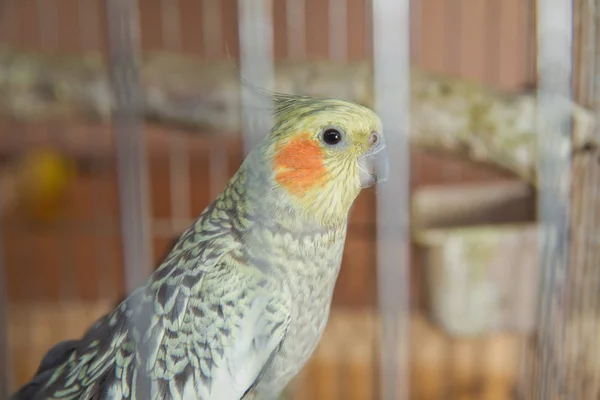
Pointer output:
326, 151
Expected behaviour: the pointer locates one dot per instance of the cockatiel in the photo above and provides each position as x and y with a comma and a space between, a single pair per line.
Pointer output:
240, 303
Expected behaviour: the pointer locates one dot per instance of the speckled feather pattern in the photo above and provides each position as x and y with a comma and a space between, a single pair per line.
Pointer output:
239, 305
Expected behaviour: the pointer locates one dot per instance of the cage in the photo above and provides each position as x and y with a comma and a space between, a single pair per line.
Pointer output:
469, 275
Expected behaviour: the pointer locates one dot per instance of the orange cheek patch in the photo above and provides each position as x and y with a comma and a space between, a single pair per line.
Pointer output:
299, 165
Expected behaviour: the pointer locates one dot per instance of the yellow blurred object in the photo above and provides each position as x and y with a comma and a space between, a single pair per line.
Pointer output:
41, 178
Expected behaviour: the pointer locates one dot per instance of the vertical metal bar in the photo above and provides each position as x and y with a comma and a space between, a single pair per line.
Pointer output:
123, 35
179, 159
255, 19
453, 14
295, 15
103, 222
493, 11
213, 36
256, 53
5, 375
583, 338
218, 166
391, 24
554, 118
338, 30
375, 343
492, 61
453, 38
88, 27
212, 23
9, 22
530, 41
171, 24
415, 31
48, 21
368, 10
13, 28
528, 366
338, 51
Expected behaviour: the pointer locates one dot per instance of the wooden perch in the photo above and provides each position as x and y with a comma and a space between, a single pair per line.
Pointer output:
447, 115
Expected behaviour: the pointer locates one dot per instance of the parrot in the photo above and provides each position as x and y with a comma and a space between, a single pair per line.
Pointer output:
240, 303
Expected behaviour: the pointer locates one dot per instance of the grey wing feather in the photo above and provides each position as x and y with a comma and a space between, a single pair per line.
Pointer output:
61, 352
57, 357
218, 344
204, 323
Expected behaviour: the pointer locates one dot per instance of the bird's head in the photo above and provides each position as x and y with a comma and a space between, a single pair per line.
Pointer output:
323, 152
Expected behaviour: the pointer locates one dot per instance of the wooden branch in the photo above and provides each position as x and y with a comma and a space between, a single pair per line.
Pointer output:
451, 116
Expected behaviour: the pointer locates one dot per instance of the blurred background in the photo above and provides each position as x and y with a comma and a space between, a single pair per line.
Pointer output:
121, 121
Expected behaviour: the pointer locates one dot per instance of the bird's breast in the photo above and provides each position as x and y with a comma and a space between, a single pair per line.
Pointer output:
310, 276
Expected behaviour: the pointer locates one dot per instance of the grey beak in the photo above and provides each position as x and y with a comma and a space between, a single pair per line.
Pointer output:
374, 167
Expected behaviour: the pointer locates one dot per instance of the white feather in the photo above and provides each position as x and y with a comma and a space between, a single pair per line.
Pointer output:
244, 362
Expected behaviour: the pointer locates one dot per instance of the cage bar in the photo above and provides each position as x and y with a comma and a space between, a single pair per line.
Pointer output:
492, 40
296, 28
582, 358
103, 222
171, 24
338, 52
211, 23
338, 29
391, 24
47, 22
554, 118
212, 18
134, 197
453, 33
415, 30
5, 375
179, 177
255, 19
87, 26
8, 21
179, 159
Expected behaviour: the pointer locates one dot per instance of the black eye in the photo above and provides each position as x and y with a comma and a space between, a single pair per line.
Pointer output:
332, 136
